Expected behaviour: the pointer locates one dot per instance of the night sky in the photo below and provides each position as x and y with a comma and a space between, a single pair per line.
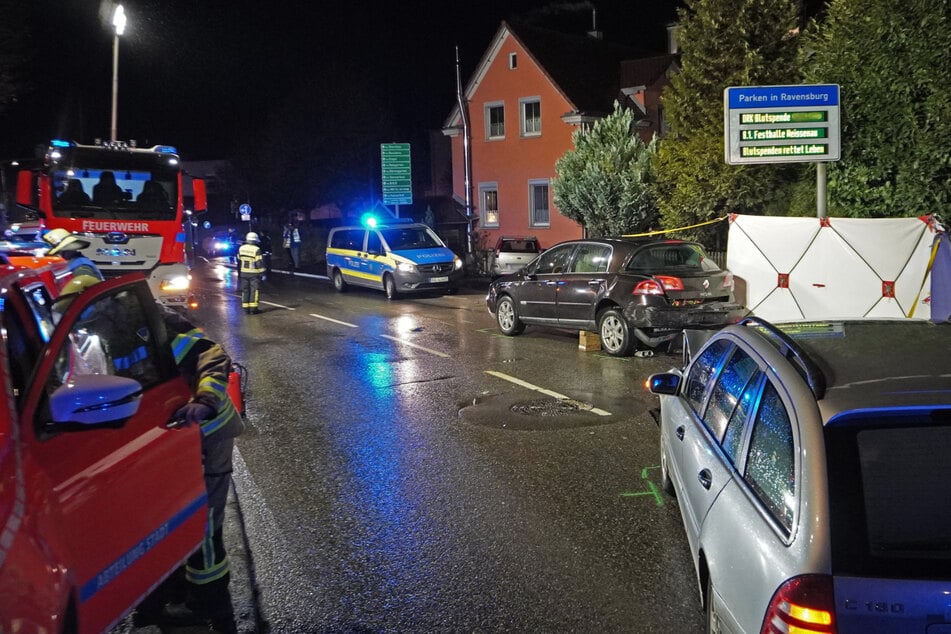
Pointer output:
213, 76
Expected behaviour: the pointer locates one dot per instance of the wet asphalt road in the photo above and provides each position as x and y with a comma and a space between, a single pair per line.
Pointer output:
402, 472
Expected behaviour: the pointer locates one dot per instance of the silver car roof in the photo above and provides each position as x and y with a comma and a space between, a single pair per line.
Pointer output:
874, 364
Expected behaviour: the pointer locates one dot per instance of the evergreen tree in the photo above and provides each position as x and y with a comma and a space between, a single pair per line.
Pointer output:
605, 183
892, 61
723, 43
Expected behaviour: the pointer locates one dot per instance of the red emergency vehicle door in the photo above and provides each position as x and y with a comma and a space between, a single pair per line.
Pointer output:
130, 500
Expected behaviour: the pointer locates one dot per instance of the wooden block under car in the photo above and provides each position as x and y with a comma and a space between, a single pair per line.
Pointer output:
589, 341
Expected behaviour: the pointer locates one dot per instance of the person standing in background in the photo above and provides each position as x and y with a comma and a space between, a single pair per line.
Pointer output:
250, 272
292, 244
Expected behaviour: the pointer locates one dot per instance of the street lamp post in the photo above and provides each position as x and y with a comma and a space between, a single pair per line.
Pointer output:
118, 21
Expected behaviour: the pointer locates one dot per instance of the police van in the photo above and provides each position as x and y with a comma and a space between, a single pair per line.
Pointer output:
396, 257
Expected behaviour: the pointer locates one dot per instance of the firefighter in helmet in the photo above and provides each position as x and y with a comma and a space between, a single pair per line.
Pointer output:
250, 271
205, 367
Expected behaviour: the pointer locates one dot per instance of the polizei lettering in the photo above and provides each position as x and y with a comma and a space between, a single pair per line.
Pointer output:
111, 225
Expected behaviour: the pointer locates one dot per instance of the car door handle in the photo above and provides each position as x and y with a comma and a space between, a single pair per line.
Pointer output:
551, 283
705, 478
680, 432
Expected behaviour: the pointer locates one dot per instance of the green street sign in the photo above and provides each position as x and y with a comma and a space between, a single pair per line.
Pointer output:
397, 174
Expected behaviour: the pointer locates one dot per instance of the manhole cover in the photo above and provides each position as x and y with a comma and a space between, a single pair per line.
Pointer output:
543, 414
547, 407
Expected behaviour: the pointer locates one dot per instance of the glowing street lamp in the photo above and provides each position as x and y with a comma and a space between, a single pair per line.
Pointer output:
118, 21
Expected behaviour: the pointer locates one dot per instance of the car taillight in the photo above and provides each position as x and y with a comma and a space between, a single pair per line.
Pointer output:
648, 287
804, 604
658, 285
670, 282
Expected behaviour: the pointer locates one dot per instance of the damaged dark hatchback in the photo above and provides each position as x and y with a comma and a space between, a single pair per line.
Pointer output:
634, 293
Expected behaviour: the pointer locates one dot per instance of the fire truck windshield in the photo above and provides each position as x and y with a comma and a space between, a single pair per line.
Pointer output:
100, 184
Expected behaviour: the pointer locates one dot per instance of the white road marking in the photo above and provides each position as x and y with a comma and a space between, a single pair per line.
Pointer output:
336, 321
278, 305
413, 345
527, 385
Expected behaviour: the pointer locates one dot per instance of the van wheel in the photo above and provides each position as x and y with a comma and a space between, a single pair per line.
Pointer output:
507, 317
339, 283
389, 285
616, 337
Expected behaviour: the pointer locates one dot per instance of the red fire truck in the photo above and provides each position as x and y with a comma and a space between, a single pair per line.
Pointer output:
126, 202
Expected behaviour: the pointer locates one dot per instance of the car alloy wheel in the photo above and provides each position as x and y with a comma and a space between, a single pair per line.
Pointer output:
507, 317
615, 333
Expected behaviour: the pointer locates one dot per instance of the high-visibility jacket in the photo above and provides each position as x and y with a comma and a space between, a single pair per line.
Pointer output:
250, 259
206, 367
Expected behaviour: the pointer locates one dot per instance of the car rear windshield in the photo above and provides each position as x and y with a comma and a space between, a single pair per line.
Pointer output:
888, 490
518, 246
672, 258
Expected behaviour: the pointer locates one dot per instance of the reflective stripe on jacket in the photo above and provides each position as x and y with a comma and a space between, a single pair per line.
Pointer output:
250, 259
206, 367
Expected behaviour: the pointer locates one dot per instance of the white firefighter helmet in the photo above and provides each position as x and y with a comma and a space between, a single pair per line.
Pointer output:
62, 240
252, 237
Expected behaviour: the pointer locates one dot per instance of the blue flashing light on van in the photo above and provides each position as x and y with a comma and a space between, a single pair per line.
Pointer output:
397, 256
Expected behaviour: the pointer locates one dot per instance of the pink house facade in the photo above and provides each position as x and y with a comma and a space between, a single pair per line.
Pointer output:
532, 89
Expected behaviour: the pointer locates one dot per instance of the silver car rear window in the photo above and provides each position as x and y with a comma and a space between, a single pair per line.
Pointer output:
888, 477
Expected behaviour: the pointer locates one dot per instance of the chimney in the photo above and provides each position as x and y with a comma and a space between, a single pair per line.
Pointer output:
673, 46
594, 32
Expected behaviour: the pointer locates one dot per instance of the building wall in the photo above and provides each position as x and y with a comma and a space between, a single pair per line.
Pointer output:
515, 160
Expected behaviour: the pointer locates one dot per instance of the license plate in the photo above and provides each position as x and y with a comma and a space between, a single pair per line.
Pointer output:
436, 280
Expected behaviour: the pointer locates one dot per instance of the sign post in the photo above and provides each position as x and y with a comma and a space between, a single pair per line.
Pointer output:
783, 124
397, 174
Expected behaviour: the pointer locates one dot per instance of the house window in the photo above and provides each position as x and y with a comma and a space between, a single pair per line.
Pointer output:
538, 203
513, 61
495, 121
531, 116
489, 204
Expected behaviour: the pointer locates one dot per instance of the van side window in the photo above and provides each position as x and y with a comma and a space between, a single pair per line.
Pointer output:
351, 239
38, 298
374, 244
20, 354
112, 336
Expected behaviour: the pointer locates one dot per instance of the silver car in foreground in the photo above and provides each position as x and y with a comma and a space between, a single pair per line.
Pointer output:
812, 466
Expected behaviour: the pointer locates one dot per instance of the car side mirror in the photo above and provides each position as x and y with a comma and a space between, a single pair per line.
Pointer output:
664, 383
93, 401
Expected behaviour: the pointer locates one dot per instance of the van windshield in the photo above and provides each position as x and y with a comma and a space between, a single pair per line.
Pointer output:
401, 238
